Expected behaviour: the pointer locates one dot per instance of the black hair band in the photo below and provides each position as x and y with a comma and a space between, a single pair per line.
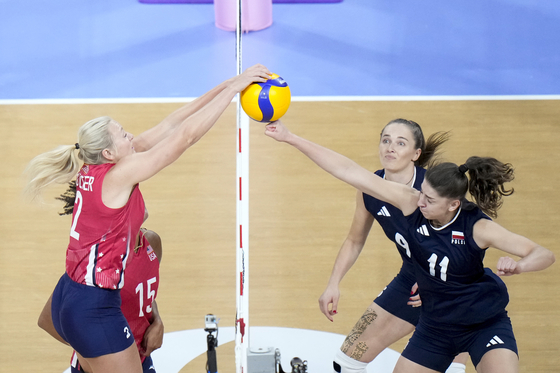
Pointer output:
463, 168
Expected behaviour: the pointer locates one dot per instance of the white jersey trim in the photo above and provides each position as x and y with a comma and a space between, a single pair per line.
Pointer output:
89, 278
448, 224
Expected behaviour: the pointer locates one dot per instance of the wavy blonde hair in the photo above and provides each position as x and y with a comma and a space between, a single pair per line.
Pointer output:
61, 164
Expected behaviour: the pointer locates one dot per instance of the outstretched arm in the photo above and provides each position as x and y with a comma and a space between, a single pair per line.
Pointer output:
343, 168
141, 166
534, 257
146, 140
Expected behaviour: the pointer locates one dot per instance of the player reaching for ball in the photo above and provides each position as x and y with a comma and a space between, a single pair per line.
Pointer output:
108, 213
403, 152
463, 302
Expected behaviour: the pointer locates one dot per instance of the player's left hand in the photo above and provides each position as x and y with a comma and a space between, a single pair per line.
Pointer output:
414, 299
277, 130
153, 337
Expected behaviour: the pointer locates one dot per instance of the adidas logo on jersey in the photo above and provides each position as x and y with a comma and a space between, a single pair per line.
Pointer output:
423, 230
457, 238
495, 341
384, 212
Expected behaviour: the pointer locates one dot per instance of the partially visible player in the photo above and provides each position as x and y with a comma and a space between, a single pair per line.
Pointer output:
138, 295
138, 303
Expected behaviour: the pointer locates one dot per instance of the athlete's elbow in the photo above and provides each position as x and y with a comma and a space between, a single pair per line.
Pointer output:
552, 257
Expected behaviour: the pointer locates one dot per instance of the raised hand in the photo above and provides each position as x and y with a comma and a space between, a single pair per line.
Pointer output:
255, 73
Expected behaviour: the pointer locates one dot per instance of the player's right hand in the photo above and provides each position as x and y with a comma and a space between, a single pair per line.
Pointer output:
255, 73
328, 302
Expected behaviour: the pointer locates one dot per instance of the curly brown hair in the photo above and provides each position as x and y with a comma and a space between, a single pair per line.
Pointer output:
485, 181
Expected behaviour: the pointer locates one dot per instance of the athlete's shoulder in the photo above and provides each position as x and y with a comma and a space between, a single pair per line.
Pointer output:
472, 211
420, 173
418, 177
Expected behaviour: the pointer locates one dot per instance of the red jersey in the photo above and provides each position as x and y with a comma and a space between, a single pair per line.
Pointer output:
138, 293
140, 290
101, 238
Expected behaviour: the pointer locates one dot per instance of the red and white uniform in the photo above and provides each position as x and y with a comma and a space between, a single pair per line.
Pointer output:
101, 238
140, 290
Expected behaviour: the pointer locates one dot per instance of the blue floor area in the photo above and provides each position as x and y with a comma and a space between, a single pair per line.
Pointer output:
125, 49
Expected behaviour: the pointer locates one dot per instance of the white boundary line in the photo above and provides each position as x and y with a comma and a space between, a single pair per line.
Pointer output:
131, 100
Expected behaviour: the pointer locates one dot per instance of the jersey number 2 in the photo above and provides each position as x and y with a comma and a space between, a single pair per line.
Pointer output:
78, 210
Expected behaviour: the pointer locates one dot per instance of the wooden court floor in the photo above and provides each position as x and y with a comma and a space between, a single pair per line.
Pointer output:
299, 217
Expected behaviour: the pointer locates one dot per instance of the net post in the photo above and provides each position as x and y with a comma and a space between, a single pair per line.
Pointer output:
242, 217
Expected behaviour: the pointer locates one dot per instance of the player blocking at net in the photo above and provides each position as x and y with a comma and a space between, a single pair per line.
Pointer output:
108, 213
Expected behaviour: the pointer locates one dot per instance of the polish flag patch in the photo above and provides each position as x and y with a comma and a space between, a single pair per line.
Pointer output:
457, 237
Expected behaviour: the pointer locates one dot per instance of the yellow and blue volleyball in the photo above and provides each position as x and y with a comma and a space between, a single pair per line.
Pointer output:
268, 101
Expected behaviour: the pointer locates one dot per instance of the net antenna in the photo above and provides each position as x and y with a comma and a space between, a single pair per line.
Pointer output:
242, 208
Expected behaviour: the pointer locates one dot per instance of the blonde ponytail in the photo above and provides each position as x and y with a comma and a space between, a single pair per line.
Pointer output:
61, 164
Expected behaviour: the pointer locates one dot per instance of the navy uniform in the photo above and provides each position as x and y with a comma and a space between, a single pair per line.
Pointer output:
463, 303
395, 296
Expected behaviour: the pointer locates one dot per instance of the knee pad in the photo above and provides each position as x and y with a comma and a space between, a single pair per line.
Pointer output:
456, 368
345, 364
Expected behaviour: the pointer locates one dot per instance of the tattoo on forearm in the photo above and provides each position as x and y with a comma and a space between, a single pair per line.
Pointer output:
364, 321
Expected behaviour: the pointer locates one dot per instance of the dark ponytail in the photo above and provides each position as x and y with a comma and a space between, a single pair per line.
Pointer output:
485, 183
430, 152
68, 198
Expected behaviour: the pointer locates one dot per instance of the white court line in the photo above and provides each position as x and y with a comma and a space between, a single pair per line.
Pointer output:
147, 100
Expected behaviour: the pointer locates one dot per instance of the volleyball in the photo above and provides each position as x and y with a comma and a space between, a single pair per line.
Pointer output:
268, 101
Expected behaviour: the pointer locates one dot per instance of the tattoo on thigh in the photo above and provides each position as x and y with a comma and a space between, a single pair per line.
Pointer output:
359, 350
364, 321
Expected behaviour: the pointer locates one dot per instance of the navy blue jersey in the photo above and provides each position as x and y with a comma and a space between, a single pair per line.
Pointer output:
454, 286
394, 223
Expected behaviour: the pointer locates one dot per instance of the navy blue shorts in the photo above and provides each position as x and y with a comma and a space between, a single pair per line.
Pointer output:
147, 366
436, 347
394, 297
90, 318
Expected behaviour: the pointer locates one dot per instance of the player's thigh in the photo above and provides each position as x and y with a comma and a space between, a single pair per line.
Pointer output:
500, 360
462, 358
376, 330
407, 366
386, 328
126, 361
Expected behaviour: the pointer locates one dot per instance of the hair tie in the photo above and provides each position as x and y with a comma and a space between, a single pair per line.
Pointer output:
463, 168
77, 146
